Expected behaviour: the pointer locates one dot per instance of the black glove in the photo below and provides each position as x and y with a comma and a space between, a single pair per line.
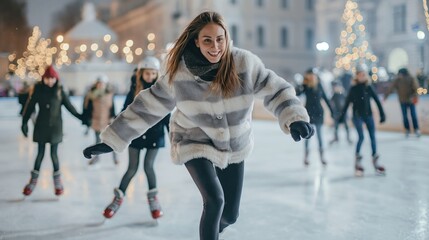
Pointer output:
382, 118
96, 149
24, 129
301, 129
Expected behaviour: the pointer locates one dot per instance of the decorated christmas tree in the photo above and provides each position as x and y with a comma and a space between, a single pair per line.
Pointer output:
36, 58
354, 49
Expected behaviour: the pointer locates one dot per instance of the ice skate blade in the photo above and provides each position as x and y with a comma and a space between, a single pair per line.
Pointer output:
380, 173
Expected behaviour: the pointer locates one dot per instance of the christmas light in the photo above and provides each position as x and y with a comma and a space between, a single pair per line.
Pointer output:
36, 58
425, 7
354, 49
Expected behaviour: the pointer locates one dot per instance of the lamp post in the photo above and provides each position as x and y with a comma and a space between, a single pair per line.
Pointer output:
421, 36
322, 47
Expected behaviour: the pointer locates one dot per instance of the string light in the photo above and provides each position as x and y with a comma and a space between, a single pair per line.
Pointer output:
36, 58
354, 49
425, 7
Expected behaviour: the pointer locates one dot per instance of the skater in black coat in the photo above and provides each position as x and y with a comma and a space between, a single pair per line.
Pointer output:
360, 95
337, 102
151, 140
314, 93
48, 128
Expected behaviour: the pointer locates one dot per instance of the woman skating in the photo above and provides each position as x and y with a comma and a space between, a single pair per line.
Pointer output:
151, 140
212, 86
50, 97
360, 95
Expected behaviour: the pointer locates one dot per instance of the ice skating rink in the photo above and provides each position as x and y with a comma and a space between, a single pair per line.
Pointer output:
281, 198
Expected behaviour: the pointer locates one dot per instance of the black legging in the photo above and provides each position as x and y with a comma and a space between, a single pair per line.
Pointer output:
221, 193
41, 154
149, 159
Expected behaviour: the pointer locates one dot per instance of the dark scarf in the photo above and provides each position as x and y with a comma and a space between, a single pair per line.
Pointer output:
198, 65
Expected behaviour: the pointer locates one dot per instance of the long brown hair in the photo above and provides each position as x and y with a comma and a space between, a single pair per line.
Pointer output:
139, 80
227, 80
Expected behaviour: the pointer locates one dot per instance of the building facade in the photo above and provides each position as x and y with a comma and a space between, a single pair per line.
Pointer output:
391, 25
280, 32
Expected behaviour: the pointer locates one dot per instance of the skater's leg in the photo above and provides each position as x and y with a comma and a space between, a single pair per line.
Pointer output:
357, 121
39, 157
404, 110
134, 155
306, 151
97, 137
335, 139
346, 126
320, 141
58, 185
414, 119
54, 157
204, 176
154, 205
28, 189
119, 193
149, 160
95, 159
370, 126
231, 180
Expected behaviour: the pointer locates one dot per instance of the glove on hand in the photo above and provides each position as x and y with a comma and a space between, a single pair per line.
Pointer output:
24, 129
301, 129
382, 118
96, 149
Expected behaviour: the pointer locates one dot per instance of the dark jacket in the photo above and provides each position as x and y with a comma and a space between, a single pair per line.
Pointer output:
154, 136
360, 96
337, 103
49, 123
313, 103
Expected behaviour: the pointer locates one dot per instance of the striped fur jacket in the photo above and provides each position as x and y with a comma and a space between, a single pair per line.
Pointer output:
205, 125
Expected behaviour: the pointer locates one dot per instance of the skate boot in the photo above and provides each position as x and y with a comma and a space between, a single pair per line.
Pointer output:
28, 189
358, 166
407, 133
379, 169
417, 132
154, 206
322, 158
116, 203
59, 189
306, 162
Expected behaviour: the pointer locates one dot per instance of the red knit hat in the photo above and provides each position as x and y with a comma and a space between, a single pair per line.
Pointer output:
50, 73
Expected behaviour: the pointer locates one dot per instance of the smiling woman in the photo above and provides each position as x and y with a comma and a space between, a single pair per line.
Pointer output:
212, 88
211, 42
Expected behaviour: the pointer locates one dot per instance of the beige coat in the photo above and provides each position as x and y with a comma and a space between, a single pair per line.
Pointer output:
101, 111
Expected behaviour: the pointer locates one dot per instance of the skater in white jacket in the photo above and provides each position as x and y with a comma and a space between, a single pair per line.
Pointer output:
212, 87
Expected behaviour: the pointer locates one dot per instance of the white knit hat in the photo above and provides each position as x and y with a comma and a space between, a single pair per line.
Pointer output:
149, 63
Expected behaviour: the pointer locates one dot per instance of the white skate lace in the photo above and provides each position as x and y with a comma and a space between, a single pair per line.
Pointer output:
114, 206
154, 204
57, 182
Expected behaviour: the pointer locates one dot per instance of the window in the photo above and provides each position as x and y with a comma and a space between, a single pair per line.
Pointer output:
309, 4
259, 3
399, 16
284, 4
260, 36
309, 39
284, 38
234, 35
